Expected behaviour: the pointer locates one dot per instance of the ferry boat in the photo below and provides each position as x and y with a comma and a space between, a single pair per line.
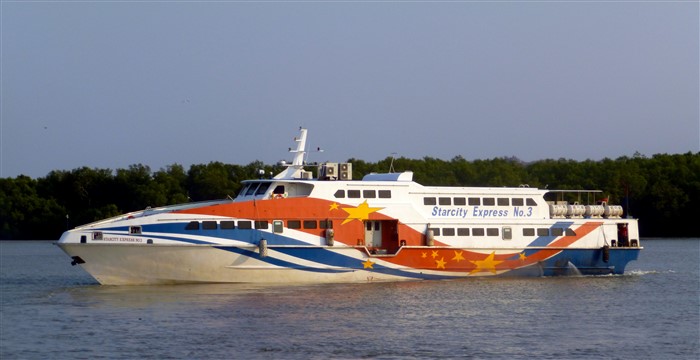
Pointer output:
296, 228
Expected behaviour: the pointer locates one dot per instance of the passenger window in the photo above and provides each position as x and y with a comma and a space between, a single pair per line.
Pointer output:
463, 232
445, 201
262, 224
279, 190
227, 224
209, 225
448, 232
492, 232
478, 232
385, 194
489, 201
429, 201
460, 201
294, 224
557, 231
436, 231
531, 202
325, 224
354, 194
369, 194
245, 225
192, 225
518, 202
570, 232
503, 202
542, 232
340, 194
528, 232
474, 201
310, 224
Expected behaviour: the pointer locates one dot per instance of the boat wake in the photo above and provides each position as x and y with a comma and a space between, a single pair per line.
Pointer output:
648, 272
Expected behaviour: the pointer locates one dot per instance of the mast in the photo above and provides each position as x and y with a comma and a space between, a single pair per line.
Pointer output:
294, 170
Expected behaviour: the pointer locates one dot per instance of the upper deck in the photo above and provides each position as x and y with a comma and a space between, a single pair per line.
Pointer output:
399, 191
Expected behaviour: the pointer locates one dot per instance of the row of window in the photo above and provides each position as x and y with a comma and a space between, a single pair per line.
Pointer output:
506, 232
260, 189
328, 224
476, 201
263, 225
366, 194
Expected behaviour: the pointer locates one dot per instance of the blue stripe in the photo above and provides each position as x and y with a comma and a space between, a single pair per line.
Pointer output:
545, 240
324, 256
278, 262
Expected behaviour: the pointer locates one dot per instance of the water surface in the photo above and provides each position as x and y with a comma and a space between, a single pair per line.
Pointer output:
53, 310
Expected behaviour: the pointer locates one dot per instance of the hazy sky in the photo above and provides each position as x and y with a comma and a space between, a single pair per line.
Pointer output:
110, 84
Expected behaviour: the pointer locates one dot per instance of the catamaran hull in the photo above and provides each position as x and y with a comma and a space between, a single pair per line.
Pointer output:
139, 264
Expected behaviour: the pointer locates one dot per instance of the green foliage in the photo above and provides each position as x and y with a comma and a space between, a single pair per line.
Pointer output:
26, 215
660, 190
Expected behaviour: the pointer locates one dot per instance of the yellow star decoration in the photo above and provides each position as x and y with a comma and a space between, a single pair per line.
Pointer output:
488, 264
435, 254
361, 212
440, 264
458, 256
522, 257
367, 264
334, 206
425, 255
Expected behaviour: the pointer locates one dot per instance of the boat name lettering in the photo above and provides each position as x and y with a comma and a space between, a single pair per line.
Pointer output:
518, 212
459, 212
483, 213
120, 239
478, 212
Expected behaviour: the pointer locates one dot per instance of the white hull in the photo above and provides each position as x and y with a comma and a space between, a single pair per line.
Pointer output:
175, 264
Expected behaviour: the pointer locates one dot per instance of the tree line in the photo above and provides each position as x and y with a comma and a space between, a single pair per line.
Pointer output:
663, 191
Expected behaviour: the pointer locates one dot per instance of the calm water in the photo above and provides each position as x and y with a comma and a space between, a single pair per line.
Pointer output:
50, 309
